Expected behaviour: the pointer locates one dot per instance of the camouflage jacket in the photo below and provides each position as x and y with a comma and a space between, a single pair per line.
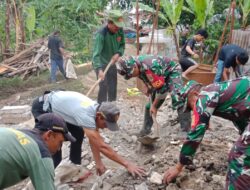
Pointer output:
229, 100
162, 75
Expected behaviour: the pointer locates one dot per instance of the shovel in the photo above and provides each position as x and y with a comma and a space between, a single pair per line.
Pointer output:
99, 80
150, 139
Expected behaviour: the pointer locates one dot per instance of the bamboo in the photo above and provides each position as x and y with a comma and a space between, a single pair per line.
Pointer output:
232, 21
137, 28
154, 26
222, 36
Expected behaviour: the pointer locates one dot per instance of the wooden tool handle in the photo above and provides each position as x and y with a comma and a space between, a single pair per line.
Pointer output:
156, 125
99, 80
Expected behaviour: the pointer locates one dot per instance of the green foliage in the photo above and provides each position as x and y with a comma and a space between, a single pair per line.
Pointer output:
30, 19
202, 9
245, 8
173, 10
221, 5
76, 20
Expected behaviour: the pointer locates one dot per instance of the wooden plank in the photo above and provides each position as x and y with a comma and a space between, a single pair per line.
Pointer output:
3, 69
8, 67
205, 78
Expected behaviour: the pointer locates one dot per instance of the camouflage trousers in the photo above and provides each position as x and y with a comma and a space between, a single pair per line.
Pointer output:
238, 176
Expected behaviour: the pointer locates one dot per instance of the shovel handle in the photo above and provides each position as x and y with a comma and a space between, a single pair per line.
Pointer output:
156, 125
99, 80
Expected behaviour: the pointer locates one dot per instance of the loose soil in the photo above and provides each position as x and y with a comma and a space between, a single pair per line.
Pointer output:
210, 163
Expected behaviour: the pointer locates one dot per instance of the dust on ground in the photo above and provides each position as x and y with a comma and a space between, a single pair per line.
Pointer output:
210, 163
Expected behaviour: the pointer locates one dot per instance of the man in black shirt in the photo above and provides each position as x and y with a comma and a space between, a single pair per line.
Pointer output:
187, 62
230, 55
56, 55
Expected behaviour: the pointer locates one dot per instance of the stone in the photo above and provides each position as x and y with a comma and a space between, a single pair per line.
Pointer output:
63, 187
142, 186
218, 178
134, 138
172, 186
126, 137
15, 118
85, 162
156, 178
15, 109
106, 140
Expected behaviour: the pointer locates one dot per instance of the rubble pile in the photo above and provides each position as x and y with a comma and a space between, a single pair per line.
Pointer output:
207, 172
30, 60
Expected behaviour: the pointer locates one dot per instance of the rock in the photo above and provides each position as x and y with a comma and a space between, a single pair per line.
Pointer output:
106, 140
126, 137
85, 162
172, 186
134, 138
218, 178
63, 187
156, 178
142, 186
106, 186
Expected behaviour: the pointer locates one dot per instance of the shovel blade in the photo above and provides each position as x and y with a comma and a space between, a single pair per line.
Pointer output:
147, 140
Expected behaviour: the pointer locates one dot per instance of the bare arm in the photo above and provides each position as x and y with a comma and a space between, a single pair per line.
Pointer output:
226, 73
98, 145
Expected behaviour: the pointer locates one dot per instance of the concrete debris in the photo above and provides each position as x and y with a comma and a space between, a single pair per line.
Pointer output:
15, 114
142, 186
156, 178
172, 186
68, 172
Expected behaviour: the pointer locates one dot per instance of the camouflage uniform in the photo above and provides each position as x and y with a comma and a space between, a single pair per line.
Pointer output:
161, 75
229, 100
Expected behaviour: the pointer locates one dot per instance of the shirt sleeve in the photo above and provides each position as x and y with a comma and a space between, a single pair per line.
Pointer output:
191, 43
42, 174
122, 43
98, 46
202, 112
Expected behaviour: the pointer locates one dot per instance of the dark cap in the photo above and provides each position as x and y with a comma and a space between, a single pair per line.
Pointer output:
111, 114
55, 123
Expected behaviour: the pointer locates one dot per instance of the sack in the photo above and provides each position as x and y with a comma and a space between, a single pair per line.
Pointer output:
70, 71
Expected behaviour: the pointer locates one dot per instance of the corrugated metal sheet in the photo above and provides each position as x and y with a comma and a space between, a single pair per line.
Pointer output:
242, 39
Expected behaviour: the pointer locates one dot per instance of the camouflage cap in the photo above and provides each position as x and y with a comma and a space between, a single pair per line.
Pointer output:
125, 66
185, 91
117, 17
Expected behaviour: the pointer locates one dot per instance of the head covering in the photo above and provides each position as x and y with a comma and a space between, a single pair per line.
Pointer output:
185, 91
125, 66
111, 114
117, 17
55, 123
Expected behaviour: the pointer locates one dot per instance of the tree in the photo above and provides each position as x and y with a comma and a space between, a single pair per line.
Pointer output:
173, 9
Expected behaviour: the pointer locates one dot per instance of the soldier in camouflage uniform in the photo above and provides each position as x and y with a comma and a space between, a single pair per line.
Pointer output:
161, 75
229, 100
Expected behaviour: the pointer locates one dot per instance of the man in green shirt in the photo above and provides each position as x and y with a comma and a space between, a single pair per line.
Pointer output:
109, 45
27, 153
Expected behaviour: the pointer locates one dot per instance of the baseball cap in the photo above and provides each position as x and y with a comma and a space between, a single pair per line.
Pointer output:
185, 91
117, 17
55, 123
111, 114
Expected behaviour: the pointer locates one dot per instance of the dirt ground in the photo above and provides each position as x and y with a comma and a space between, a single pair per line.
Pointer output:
210, 164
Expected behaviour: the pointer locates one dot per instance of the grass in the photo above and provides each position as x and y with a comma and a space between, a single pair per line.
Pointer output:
38, 84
